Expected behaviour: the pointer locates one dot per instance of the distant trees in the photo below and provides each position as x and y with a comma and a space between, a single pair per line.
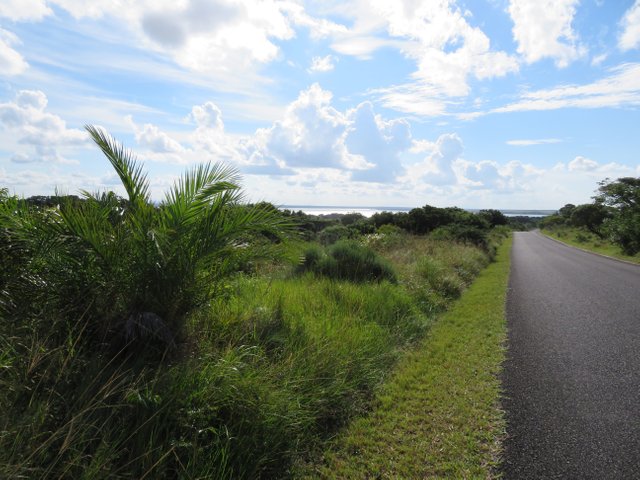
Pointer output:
614, 214
494, 217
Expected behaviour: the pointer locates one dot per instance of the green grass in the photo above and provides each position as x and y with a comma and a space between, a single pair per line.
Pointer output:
580, 238
438, 416
270, 370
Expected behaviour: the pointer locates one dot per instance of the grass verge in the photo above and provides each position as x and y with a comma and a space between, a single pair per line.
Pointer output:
438, 416
584, 240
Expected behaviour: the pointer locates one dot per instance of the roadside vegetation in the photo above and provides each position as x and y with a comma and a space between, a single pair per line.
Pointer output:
610, 225
203, 337
438, 415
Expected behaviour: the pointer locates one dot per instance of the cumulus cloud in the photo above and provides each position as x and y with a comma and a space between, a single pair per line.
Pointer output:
314, 135
447, 50
35, 128
582, 164
321, 64
630, 24
378, 142
310, 134
11, 62
542, 29
437, 169
207, 115
157, 141
210, 135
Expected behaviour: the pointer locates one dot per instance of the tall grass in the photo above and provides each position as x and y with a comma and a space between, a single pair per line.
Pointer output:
270, 364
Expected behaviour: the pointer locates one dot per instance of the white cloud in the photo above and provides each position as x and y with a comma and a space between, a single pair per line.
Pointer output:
210, 136
362, 46
21, 10
321, 64
415, 98
598, 59
621, 88
207, 115
30, 125
313, 135
446, 49
542, 29
378, 142
219, 37
484, 174
582, 164
438, 168
630, 23
11, 62
310, 134
151, 137
526, 143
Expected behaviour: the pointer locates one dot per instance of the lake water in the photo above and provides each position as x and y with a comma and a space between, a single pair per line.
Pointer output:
368, 211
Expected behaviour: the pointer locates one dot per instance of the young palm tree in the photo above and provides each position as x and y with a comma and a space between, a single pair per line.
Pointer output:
140, 269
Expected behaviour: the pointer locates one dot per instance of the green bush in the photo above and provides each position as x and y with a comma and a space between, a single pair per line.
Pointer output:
137, 270
333, 233
348, 260
462, 233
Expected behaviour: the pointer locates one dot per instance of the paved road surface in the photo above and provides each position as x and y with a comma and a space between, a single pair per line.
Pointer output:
572, 375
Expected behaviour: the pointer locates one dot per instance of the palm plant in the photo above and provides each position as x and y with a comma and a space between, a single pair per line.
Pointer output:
140, 268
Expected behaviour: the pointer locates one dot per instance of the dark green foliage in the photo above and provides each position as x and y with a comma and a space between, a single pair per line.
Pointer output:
566, 211
425, 219
462, 233
623, 196
348, 260
552, 221
494, 217
590, 216
332, 234
351, 218
523, 223
383, 218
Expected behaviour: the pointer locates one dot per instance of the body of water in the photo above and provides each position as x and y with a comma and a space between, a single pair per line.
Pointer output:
368, 211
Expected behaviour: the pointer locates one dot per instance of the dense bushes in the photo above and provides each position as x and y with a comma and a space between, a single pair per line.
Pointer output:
268, 366
347, 260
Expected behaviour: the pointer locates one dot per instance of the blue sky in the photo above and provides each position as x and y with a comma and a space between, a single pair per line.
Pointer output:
479, 104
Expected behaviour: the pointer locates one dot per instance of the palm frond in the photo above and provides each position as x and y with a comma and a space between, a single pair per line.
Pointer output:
124, 162
196, 190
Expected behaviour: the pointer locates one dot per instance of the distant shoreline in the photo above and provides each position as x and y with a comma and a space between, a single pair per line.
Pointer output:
369, 211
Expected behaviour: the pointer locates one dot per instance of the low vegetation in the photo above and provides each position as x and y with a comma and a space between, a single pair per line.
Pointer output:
438, 415
585, 240
204, 337
610, 225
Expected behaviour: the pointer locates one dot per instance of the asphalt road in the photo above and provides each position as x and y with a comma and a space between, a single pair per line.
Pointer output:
572, 376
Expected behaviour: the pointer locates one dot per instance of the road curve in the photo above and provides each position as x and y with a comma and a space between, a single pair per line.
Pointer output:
572, 375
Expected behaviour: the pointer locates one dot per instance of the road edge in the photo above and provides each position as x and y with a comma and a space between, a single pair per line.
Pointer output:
542, 234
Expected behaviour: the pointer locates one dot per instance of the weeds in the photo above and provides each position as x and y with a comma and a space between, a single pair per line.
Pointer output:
266, 364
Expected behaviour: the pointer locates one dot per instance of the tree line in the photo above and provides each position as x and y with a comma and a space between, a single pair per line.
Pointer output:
614, 214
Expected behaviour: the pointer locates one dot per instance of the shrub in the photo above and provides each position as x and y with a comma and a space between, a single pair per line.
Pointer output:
462, 233
348, 260
134, 268
332, 234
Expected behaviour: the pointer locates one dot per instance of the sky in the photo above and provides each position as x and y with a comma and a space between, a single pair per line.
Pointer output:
508, 104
